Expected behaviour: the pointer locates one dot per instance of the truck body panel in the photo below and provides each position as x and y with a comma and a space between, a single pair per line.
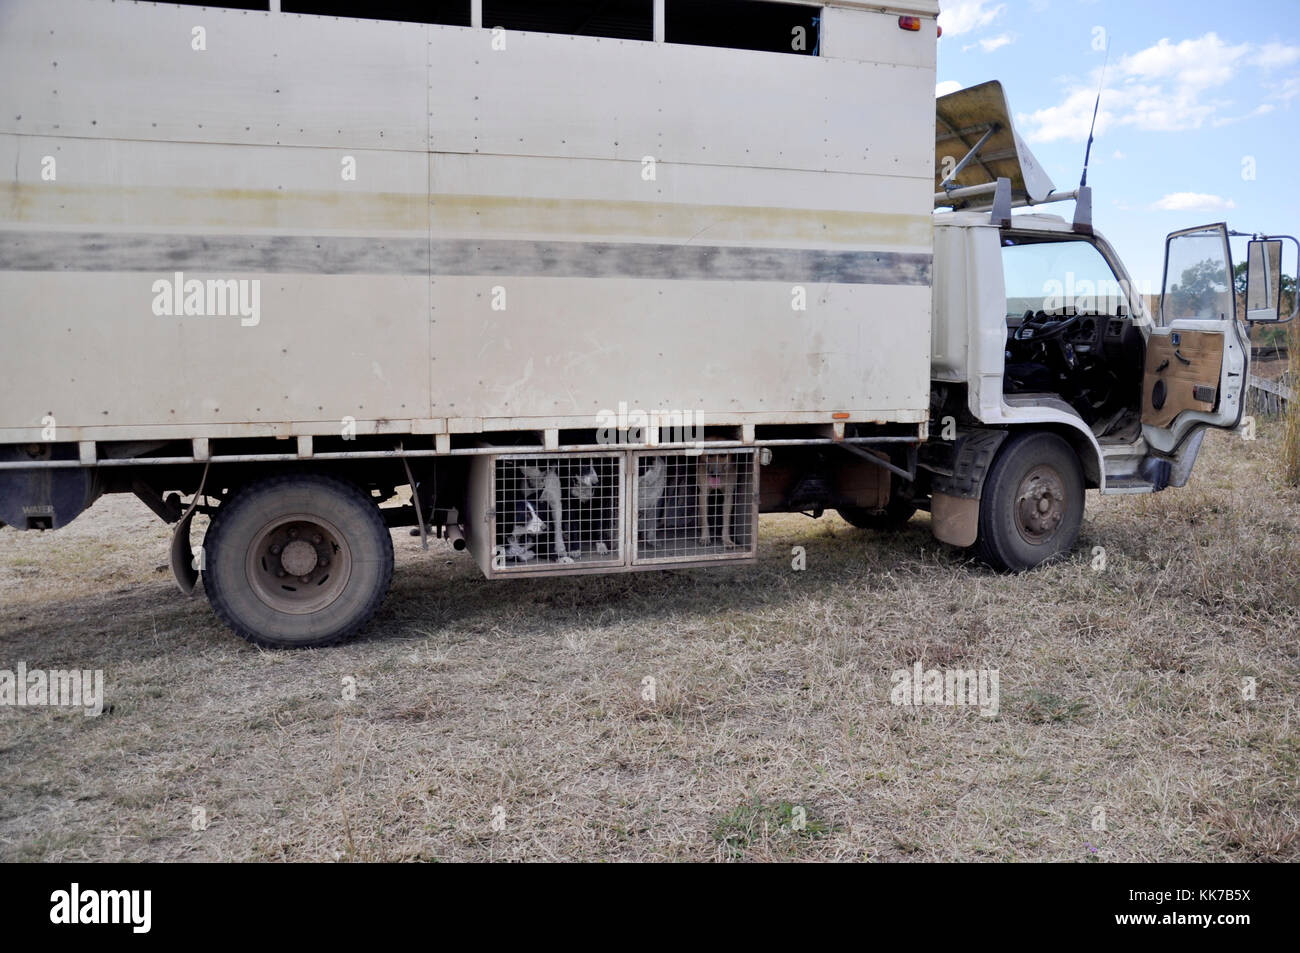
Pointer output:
533, 235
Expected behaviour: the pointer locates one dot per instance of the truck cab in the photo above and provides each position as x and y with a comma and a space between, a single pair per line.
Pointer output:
1045, 349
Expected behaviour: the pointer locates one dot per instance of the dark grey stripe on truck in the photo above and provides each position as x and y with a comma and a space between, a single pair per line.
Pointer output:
292, 254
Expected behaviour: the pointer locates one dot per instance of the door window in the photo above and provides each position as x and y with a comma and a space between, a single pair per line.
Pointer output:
1197, 285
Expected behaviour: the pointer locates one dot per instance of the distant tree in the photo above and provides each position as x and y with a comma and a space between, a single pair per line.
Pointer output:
1199, 293
1288, 287
1266, 335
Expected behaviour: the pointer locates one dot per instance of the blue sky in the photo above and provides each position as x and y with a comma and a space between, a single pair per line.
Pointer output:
1199, 97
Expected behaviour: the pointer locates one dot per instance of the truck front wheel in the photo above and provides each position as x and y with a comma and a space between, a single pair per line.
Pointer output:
1032, 505
297, 561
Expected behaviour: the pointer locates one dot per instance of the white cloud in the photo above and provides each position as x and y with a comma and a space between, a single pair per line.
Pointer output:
1070, 120
1276, 55
1193, 202
1157, 108
1288, 91
990, 43
968, 15
1192, 64
946, 87
1167, 87
1261, 110
1119, 155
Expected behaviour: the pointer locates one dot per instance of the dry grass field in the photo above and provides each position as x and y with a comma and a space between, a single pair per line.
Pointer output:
1121, 690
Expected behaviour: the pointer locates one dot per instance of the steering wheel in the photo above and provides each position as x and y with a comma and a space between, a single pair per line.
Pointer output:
1043, 327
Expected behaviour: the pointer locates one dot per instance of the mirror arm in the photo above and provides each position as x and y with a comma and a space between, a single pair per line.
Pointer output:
1295, 284
1295, 287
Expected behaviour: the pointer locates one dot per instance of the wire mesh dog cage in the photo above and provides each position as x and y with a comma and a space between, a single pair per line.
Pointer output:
694, 506
571, 513
557, 511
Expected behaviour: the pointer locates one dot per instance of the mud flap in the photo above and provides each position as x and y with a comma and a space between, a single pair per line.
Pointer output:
959, 483
955, 520
182, 556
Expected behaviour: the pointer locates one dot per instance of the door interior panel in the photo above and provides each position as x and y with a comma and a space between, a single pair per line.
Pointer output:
1183, 369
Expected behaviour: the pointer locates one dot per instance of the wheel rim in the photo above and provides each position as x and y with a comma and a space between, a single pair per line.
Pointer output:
1040, 505
298, 563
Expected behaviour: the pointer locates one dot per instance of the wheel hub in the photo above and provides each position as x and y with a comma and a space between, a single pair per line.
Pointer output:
298, 563
299, 558
1040, 504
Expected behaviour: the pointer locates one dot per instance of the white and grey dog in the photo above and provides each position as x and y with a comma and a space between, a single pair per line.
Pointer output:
545, 485
650, 483
582, 487
582, 490
528, 524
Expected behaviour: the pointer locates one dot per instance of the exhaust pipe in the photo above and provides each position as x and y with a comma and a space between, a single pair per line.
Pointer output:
457, 538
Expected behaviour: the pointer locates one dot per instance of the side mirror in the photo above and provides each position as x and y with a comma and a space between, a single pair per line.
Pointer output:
1263, 281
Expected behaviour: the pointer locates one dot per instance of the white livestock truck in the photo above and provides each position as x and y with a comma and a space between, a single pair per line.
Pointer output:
583, 286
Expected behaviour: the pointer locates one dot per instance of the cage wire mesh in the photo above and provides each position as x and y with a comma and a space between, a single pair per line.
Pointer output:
695, 506
557, 510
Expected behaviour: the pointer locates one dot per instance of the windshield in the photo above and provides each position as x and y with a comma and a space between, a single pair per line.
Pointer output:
1069, 277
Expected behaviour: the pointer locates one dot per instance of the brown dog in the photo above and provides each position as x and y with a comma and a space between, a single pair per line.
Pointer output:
716, 472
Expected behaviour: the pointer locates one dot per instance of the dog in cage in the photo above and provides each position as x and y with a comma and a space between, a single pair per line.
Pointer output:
521, 541
677, 512
651, 479
592, 508
543, 497
716, 473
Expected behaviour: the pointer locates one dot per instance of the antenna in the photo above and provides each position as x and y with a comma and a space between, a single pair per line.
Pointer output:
1087, 155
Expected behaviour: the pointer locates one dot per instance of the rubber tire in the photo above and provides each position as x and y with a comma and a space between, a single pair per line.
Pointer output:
893, 517
239, 519
999, 542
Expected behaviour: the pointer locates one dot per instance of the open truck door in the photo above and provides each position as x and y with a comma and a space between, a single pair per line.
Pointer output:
1196, 358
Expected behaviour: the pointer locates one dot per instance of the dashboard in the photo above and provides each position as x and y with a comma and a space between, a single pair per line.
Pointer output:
1093, 334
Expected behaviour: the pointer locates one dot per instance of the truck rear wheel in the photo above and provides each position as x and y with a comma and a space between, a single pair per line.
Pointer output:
894, 516
900, 508
297, 561
1032, 505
